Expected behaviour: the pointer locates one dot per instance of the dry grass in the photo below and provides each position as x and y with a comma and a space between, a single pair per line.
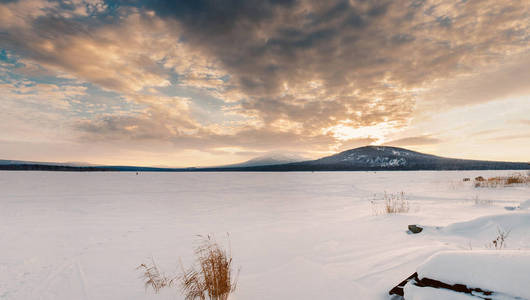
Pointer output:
396, 203
517, 179
500, 241
514, 179
393, 203
154, 278
212, 278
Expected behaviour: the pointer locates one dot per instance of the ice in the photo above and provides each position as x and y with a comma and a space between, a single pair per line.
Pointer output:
296, 235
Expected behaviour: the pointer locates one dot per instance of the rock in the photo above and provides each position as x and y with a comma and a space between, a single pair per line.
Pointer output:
398, 289
432, 283
415, 228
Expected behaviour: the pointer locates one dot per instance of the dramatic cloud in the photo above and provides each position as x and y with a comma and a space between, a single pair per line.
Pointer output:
488, 84
332, 61
253, 76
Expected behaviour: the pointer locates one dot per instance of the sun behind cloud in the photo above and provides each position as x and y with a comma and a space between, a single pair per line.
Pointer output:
184, 83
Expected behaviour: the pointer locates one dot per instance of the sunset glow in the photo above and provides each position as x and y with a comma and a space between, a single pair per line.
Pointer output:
199, 83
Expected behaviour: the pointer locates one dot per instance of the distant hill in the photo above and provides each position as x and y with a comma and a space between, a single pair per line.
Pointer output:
381, 158
368, 158
28, 166
269, 159
4, 162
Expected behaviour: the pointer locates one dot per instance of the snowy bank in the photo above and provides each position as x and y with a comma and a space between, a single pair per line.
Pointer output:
505, 273
483, 231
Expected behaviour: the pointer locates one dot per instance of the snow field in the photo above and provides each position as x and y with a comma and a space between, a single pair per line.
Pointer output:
295, 235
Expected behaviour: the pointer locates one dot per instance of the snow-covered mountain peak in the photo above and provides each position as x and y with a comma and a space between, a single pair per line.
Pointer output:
375, 156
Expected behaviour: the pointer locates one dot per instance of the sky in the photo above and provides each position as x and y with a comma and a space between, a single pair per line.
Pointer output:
211, 82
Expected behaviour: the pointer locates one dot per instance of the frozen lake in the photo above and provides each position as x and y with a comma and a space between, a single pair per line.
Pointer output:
302, 235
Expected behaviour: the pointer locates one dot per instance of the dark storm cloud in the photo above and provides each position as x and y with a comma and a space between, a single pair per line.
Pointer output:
214, 16
388, 46
265, 43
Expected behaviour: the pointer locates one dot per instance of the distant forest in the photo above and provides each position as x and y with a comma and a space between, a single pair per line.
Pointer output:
39, 167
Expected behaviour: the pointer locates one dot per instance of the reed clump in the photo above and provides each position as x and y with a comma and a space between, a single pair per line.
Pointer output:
396, 203
391, 203
154, 278
500, 181
212, 277
499, 242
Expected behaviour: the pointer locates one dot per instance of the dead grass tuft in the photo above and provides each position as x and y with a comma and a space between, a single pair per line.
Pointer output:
393, 203
154, 278
500, 241
396, 203
514, 179
212, 277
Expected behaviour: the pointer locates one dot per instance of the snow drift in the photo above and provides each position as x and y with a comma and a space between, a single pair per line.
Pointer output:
505, 273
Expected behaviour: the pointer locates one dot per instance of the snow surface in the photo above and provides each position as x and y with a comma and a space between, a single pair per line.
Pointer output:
525, 204
295, 235
378, 161
502, 271
413, 292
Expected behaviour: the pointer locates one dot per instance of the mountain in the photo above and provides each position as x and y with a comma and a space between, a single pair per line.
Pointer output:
374, 158
368, 158
274, 158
